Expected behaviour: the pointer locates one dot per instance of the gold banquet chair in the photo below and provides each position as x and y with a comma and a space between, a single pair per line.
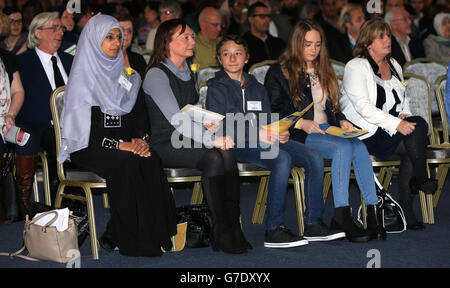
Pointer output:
440, 156
431, 69
75, 177
338, 67
42, 175
259, 70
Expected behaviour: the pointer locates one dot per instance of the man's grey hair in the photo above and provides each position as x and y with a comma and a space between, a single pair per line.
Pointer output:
39, 21
391, 14
172, 5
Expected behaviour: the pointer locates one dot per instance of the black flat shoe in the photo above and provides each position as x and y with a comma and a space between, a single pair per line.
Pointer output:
415, 226
107, 243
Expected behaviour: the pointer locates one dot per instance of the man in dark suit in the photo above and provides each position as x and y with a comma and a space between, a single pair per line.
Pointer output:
42, 69
328, 18
350, 21
261, 45
404, 48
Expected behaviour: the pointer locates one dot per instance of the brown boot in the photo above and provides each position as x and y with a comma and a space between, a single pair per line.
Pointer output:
26, 166
2, 212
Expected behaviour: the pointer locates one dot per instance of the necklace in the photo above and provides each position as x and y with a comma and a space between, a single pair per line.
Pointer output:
314, 78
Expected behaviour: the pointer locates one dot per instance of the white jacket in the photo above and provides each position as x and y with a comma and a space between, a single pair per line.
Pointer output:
359, 98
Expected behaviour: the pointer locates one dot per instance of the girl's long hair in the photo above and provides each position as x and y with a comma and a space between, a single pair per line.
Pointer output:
163, 38
294, 66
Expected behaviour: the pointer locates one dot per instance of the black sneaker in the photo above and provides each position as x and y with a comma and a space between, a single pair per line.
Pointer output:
320, 232
282, 237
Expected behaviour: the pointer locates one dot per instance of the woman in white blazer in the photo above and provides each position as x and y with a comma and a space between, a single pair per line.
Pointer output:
375, 99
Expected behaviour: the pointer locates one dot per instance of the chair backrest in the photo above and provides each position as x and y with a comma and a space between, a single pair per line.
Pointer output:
206, 73
431, 69
419, 93
203, 92
339, 67
439, 88
259, 70
56, 106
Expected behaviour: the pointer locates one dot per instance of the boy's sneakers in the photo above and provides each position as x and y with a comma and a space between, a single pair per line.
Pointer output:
282, 237
320, 232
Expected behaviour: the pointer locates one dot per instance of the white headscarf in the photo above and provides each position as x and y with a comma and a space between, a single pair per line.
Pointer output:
94, 81
437, 23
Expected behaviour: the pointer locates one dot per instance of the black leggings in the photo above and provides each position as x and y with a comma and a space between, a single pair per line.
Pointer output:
212, 162
412, 152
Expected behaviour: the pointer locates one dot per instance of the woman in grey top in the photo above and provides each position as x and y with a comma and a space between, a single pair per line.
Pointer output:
181, 142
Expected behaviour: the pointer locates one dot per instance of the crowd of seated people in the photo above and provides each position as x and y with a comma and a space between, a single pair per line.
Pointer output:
39, 43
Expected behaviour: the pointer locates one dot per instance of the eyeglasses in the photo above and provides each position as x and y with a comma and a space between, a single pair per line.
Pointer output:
216, 25
16, 21
55, 28
262, 15
167, 12
404, 19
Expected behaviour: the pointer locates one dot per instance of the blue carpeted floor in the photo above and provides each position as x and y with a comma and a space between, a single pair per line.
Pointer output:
428, 248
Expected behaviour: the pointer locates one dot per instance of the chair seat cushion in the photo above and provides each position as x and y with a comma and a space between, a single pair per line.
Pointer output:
394, 157
248, 167
438, 153
182, 172
83, 176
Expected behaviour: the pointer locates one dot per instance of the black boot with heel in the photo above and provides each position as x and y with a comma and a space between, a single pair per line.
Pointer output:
343, 220
223, 235
375, 227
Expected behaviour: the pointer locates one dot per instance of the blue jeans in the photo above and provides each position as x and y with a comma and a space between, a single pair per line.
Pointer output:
290, 154
344, 152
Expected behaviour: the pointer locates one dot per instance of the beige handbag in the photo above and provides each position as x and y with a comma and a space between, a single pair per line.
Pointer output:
47, 243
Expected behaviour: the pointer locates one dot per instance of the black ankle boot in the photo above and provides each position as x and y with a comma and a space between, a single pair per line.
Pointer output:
222, 236
429, 186
375, 227
343, 220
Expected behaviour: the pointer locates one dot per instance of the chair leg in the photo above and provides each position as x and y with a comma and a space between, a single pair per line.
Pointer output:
91, 217
364, 212
59, 195
441, 176
262, 210
326, 186
105, 200
423, 206
298, 199
259, 199
197, 194
430, 209
35, 189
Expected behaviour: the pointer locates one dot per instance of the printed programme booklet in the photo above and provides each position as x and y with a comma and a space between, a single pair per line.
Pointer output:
286, 123
336, 131
201, 115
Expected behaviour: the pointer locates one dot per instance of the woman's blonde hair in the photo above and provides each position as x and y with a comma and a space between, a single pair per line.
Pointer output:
293, 64
370, 30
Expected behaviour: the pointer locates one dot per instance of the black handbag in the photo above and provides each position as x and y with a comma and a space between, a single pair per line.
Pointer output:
388, 210
199, 224
12, 205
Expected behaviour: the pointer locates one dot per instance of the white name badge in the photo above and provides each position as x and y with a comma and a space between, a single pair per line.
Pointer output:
254, 106
125, 83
